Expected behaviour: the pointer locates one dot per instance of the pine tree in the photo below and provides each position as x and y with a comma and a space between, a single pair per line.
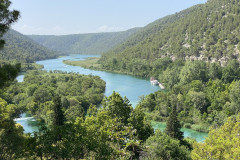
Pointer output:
173, 126
7, 17
59, 118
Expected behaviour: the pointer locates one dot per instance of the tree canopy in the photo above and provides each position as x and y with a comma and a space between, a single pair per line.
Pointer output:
7, 17
222, 142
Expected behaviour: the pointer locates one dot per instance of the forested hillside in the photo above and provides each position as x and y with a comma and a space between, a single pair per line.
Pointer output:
151, 29
22, 49
92, 43
208, 32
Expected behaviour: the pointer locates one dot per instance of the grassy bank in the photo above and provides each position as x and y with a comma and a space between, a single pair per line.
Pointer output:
91, 62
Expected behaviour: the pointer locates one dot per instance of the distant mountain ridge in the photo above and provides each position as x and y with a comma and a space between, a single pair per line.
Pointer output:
91, 43
22, 49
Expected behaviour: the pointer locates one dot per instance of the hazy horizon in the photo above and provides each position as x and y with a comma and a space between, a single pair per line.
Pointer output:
60, 17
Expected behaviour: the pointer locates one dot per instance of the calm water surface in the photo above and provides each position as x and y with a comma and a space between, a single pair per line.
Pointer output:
126, 85
29, 124
20, 77
199, 136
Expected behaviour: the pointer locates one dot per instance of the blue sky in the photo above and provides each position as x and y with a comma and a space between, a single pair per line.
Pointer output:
60, 17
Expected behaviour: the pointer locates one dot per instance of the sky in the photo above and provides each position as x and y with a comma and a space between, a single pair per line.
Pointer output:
61, 17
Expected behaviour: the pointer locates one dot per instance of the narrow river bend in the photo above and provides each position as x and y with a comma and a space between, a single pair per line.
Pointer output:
129, 86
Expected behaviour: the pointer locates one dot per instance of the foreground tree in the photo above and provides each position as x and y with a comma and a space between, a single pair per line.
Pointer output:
139, 122
7, 17
11, 135
222, 143
118, 107
161, 147
58, 117
173, 126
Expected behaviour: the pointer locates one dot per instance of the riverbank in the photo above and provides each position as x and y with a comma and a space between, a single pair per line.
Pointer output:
31, 125
92, 63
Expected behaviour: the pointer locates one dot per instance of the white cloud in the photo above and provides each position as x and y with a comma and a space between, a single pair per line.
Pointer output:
106, 28
27, 29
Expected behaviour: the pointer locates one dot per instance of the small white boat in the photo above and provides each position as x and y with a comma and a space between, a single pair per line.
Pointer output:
154, 82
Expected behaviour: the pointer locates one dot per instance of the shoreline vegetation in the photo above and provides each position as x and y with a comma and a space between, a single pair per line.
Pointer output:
92, 63
200, 89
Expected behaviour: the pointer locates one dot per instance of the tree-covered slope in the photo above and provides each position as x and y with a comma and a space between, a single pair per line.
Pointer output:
92, 43
207, 32
151, 29
22, 49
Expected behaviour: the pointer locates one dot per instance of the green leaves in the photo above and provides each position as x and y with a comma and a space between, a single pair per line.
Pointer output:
7, 17
77, 93
11, 136
173, 126
118, 107
8, 73
222, 143
161, 147
139, 122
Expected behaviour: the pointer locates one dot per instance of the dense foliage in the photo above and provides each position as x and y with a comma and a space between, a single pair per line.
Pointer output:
7, 17
204, 94
92, 43
173, 126
8, 71
222, 143
161, 147
22, 49
100, 134
11, 135
36, 94
208, 32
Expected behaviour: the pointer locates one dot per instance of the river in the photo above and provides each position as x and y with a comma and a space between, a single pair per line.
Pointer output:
129, 86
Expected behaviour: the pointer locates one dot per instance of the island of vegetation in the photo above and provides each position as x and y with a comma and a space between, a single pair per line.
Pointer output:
91, 62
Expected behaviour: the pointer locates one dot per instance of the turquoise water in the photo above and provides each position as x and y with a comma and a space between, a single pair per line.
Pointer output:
29, 124
129, 86
199, 136
20, 77
126, 85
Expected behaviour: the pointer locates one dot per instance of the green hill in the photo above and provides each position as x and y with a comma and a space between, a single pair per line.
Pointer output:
22, 49
208, 32
92, 43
